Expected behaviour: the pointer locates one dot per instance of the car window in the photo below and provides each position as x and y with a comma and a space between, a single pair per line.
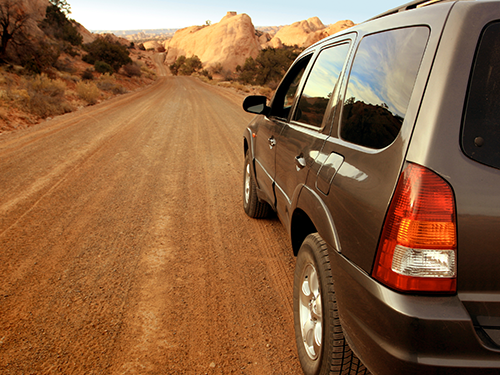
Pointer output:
380, 85
481, 128
321, 85
287, 91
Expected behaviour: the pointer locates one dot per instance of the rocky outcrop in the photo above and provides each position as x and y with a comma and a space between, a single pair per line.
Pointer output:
229, 42
306, 33
87, 36
330, 30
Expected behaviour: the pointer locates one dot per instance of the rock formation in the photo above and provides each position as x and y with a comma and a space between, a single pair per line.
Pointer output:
229, 42
306, 33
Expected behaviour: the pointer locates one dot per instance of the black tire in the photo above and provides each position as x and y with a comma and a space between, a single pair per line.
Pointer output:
253, 207
320, 340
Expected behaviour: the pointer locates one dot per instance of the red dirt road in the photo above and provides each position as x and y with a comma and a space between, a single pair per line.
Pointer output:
124, 248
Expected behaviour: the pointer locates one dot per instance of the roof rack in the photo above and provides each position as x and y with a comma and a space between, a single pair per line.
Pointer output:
411, 5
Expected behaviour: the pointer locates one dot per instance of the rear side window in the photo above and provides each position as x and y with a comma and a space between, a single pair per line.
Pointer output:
481, 128
321, 85
380, 85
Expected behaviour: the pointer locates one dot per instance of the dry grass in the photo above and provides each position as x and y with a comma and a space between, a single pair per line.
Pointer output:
40, 96
88, 91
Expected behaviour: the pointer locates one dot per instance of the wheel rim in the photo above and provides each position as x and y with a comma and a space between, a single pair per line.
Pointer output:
311, 322
247, 183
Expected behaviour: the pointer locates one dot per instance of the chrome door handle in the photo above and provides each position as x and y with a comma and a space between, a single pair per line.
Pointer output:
300, 162
272, 142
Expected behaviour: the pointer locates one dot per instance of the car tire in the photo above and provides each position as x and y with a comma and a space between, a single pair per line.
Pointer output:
321, 345
253, 207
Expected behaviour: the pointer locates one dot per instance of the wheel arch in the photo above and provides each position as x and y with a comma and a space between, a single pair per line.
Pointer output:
311, 215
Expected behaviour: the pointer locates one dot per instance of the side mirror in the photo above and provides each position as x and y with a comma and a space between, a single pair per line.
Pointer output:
256, 104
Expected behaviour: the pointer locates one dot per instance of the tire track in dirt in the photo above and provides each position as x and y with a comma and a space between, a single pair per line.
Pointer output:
140, 259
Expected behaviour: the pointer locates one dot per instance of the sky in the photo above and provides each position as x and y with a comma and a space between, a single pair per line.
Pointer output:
161, 14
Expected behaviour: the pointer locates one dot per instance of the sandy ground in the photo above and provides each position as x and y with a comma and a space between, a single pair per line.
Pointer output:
124, 247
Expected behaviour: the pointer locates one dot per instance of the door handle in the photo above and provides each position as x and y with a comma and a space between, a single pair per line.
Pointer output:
300, 162
272, 142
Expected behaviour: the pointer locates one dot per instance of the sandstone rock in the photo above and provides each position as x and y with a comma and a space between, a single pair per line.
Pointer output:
298, 32
88, 37
153, 44
306, 33
229, 42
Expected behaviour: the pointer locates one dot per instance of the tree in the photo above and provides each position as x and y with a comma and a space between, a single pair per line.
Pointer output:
62, 5
13, 22
268, 67
57, 25
107, 51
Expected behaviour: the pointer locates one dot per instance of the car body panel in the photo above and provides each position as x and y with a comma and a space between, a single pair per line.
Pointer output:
344, 190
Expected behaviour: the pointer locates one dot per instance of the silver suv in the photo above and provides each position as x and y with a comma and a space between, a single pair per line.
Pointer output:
380, 154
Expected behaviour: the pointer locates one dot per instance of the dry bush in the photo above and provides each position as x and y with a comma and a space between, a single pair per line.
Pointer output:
266, 91
88, 91
132, 70
107, 82
42, 97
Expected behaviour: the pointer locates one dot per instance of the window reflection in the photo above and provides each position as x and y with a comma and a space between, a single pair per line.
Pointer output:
321, 85
380, 85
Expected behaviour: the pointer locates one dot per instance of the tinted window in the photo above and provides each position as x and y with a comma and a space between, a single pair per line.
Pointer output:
380, 84
481, 130
286, 92
321, 85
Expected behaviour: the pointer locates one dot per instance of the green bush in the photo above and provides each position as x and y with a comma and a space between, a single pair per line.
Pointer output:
111, 53
186, 66
268, 67
102, 67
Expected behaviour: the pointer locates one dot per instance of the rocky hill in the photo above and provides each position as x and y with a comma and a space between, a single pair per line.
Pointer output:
231, 41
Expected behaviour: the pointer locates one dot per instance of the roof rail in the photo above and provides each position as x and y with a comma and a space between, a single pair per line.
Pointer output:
411, 5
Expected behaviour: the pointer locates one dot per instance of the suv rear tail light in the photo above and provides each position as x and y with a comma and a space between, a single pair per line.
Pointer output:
417, 249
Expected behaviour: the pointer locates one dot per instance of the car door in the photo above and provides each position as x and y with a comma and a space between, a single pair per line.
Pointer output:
269, 128
302, 137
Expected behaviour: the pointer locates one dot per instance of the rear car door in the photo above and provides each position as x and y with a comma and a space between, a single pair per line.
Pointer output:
302, 137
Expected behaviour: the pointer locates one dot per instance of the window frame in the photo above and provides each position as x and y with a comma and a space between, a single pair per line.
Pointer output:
330, 108
337, 120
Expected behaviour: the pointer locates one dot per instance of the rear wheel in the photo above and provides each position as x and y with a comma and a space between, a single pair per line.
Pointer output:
253, 207
321, 345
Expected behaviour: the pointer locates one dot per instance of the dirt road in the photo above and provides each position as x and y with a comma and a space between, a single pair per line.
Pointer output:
124, 248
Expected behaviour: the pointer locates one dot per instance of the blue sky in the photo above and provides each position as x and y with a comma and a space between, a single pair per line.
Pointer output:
160, 14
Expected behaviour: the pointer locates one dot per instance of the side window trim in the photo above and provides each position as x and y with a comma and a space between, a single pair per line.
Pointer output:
330, 109
337, 127
290, 74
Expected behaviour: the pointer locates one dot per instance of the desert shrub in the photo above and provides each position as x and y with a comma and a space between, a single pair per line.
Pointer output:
87, 75
216, 68
268, 67
113, 54
102, 67
107, 82
88, 91
44, 97
206, 73
266, 91
57, 25
132, 70
186, 66
36, 57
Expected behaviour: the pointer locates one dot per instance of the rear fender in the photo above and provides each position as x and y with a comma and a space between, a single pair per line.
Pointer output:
311, 204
